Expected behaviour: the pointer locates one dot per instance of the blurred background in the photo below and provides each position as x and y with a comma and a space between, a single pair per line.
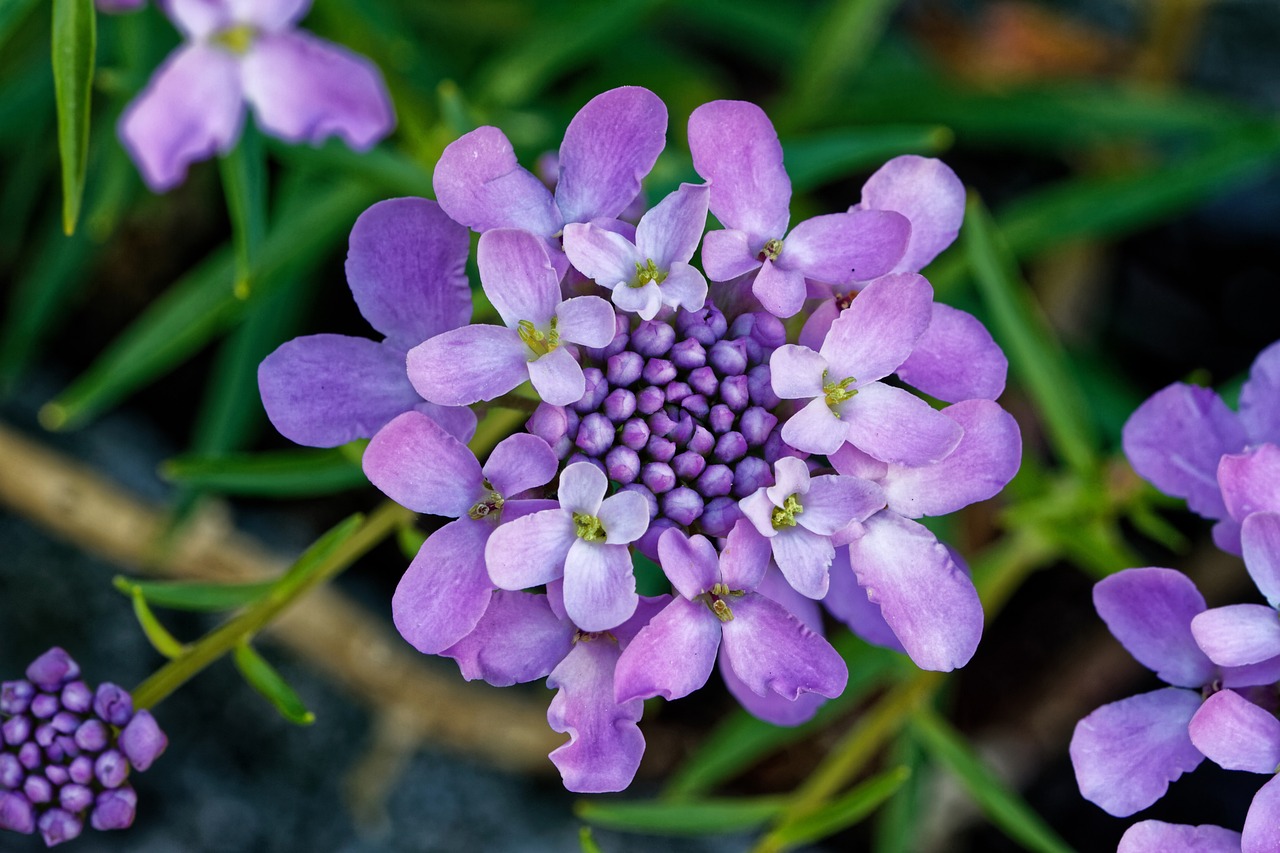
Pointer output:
1128, 153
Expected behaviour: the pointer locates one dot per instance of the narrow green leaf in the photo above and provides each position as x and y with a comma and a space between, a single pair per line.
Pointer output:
159, 636
1034, 353
1008, 811
276, 474
816, 159
588, 842
314, 557
75, 44
688, 817
244, 183
202, 597
899, 821
263, 678
846, 810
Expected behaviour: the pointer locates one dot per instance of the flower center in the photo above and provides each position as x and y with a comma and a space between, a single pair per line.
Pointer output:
592, 636
490, 504
539, 343
844, 300
715, 601
588, 527
785, 515
772, 248
237, 39
648, 273
837, 392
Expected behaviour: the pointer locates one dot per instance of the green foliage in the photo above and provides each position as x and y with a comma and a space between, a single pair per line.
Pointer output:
75, 45
263, 678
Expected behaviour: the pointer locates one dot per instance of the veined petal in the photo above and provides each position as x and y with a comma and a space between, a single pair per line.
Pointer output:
736, 150
758, 509
517, 276
1150, 611
926, 192
1262, 823
1260, 398
1260, 540
1125, 754
519, 462
894, 425
796, 372
1236, 734
518, 639
458, 421
467, 365
605, 257
190, 109
1238, 634
983, 463
624, 517
605, 744
582, 488
557, 376
781, 291
690, 563
446, 589
817, 325
1250, 481
815, 428
416, 463
407, 270
876, 333
671, 230
326, 390
672, 656
791, 477
834, 500
268, 14
531, 550
599, 586
1154, 836
586, 320
770, 707
684, 288
771, 651
479, 183
803, 557
306, 89
644, 301
924, 596
727, 255
956, 358
745, 557
848, 602
608, 148
839, 248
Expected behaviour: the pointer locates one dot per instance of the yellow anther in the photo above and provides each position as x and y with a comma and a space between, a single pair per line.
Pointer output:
540, 343
648, 273
588, 527
771, 250
785, 515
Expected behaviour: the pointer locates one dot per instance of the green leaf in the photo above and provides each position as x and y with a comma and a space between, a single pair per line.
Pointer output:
846, 810
688, 817
159, 636
1009, 812
814, 160
202, 597
263, 678
244, 182
383, 169
898, 823
75, 43
275, 474
1034, 352
315, 556
587, 842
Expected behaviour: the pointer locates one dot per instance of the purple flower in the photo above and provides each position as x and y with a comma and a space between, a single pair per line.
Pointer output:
446, 588
1154, 836
654, 270
799, 514
608, 148
407, 271
846, 402
736, 151
481, 362
66, 751
301, 88
766, 647
1236, 734
584, 540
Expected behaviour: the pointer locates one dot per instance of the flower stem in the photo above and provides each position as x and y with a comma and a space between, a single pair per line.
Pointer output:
367, 533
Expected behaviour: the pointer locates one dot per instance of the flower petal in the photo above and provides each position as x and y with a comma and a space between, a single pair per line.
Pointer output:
407, 270
586, 320
1262, 823
518, 639
925, 597
736, 150
744, 558
772, 652
876, 333
803, 557
520, 462
200, 18
1154, 836
467, 365
190, 109
604, 256
529, 551
684, 288
670, 231
727, 255
517, 276
624, 517
413, 461
815, 428
1150, 611
672, 656
894, 425
840, 247
557, 376
582, 488
326, 390
479, 183
796, 372
791, 477
608, 148
644, 301
690, 563
926, 192
1125, 754
1238, 634
605, 744
1236, 734
446, 589
956, 358
770, 707
848, 602
1260, 539
1250, 481
268, 14
599, 587
1260, 398
781, 291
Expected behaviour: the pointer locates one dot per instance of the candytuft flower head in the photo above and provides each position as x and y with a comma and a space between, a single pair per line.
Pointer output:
301, 88
67, 751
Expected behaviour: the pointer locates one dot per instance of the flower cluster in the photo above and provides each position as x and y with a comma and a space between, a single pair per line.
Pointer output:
672, 415
67, 750
1223, 663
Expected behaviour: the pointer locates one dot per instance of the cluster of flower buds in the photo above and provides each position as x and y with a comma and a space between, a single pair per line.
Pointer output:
769, 469
67, 750
1222, 664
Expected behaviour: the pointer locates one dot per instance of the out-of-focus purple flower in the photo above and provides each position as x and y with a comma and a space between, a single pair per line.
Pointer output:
301, 88
654, 270
799, 514
768, 649
1154, 836
416, 463
608, 148
584, 540
736, 150
481, 362
66, 751
846, 402
407, 271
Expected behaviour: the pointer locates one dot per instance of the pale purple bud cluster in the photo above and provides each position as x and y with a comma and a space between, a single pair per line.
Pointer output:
66, 751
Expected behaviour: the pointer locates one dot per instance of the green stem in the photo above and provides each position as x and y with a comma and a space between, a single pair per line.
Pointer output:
223, 639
